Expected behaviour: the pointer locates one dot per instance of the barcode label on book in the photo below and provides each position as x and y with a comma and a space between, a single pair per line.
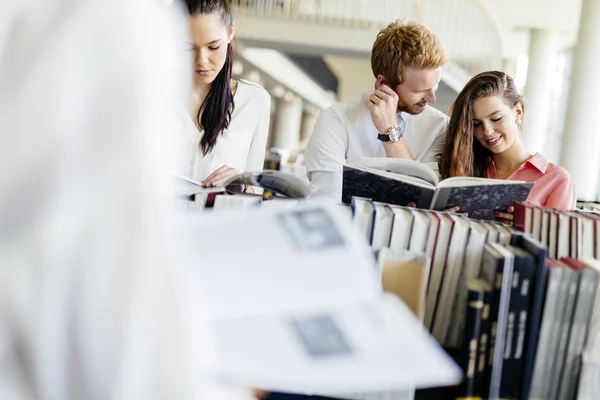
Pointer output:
311, 230
321, 336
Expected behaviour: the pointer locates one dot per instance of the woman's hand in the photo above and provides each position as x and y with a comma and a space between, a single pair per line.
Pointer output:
259, 393
506, 217
219, 177
454, 209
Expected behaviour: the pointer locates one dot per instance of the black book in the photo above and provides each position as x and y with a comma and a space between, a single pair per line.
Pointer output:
478, 197
484, 344
497, 270
538, 292
477, 289
516, 329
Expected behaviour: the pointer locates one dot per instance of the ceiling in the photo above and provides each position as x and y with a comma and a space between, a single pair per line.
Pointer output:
515, 17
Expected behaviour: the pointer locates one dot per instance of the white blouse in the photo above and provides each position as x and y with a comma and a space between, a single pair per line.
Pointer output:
242, 146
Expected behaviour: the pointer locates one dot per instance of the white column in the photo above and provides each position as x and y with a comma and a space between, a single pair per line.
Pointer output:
581, 140
509, 65
309, 117
288, 117
538, 88
253, 76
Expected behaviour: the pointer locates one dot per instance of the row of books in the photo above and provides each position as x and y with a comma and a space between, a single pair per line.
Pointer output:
488, 291
453, 245
574, 234
588, 206
528, 324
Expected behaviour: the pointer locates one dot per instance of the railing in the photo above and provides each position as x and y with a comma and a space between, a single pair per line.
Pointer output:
465, 27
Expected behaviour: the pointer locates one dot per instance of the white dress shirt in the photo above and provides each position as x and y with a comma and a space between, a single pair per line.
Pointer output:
345, 133
242, 145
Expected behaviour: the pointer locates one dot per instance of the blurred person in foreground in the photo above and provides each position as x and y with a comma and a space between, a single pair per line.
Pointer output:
90, 293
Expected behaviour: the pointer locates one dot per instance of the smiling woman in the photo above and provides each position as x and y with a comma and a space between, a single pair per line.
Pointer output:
227, 133
484, 140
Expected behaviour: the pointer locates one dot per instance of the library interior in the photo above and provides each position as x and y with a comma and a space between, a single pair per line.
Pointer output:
300, 199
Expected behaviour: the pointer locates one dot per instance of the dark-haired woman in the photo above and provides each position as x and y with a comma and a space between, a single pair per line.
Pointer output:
227, 132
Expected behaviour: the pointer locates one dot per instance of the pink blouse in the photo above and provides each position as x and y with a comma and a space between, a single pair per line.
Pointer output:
553, 186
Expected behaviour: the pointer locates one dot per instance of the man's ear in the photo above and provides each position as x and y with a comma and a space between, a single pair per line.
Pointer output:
381, 80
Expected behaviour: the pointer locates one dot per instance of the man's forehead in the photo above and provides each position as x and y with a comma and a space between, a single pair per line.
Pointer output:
421, 79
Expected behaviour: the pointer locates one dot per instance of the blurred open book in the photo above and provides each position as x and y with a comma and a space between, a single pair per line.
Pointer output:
296, 305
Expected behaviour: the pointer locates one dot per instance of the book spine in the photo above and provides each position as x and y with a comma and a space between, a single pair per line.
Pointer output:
563, 329
505, 268
538, 291
519, 216
518, 314
588, 281
544, 350
484, 338
468, 356
494, 310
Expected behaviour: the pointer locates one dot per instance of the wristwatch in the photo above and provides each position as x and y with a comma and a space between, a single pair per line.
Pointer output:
392, 135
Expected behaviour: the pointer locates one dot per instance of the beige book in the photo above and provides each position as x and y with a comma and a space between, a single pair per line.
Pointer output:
404, 274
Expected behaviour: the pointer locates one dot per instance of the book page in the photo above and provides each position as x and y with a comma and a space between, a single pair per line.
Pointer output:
312, 254
473, 181
293, 298
183, 186
401, 166
378, 345
399, 177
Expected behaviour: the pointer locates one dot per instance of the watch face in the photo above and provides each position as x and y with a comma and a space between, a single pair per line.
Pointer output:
395, 134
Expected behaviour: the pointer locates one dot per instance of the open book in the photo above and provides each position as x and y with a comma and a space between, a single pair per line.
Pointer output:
182, 186
399, 181
268, 333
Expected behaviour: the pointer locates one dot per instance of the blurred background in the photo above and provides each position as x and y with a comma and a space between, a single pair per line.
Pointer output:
311, 53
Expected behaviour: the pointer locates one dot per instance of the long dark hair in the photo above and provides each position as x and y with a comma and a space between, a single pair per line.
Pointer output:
215, 112
457, 160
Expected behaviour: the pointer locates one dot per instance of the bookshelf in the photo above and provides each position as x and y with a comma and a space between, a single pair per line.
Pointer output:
553, 247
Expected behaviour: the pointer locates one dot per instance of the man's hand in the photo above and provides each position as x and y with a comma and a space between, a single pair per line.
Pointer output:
219, 177
383, 106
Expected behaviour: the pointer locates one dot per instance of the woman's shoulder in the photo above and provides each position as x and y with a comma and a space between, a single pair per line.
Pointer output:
250, 91
558, 173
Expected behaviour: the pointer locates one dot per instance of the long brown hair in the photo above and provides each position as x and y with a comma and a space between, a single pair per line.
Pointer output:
457, 160
215, 112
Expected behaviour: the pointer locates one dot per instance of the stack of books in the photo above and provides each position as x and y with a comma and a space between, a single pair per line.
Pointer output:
453, 245
572, 234
519, 311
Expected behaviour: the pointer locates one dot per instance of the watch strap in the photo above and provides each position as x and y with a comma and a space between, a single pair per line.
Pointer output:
384, 137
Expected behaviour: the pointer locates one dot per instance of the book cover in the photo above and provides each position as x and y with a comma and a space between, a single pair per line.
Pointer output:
497, 270
516, 329
588, 282
563, 328
478, 197
472, 266
477, 289
484, 344
538, 290
542, 365
448, 292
